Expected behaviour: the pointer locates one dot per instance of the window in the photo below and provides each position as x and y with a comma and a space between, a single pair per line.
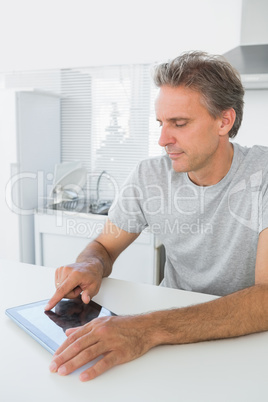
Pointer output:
107, 117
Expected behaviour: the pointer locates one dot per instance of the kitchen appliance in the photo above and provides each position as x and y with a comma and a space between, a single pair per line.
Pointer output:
250, 58
30, 148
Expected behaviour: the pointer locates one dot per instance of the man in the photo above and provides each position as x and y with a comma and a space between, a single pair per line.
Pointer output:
207, 201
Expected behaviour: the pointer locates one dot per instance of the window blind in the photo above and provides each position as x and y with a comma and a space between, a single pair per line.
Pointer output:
107, 117
108, 120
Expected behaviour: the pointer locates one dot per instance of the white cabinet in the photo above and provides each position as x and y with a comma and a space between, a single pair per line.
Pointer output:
29, 150
60, 236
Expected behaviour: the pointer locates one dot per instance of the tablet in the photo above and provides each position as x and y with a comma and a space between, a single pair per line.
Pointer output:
48, 327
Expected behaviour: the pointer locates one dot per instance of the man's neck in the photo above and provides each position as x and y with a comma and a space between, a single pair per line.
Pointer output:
218, 167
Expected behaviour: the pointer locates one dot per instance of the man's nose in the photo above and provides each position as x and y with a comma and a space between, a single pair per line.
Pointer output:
165, 137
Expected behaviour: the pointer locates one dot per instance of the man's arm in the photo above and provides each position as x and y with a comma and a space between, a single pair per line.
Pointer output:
121, 339
237, 314
240, 313
94, 263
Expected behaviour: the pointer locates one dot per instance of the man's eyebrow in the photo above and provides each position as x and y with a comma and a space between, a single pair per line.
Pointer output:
176, 119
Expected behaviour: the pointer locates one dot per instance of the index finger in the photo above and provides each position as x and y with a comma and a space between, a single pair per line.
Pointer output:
60, 293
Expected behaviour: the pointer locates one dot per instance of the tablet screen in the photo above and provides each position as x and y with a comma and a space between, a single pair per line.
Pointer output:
48, 327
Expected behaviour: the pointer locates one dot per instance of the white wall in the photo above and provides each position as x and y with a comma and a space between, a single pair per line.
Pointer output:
254, 128
254, 30
41, 34
254, 27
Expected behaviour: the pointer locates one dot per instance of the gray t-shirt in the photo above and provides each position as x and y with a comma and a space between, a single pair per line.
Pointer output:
210, 233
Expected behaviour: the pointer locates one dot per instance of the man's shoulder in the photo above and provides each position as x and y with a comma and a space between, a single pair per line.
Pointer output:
253, 151
255, 156
154, 170
156, 160
155, 165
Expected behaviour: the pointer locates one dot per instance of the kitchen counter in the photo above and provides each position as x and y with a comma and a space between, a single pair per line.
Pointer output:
232, 370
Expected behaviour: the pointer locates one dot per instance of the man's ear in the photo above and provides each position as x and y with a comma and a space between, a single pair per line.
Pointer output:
227, 121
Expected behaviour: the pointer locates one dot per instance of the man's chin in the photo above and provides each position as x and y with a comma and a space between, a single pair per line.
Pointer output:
178, 167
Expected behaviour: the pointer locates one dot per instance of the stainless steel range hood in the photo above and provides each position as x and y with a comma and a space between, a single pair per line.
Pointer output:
252, 63
251, 57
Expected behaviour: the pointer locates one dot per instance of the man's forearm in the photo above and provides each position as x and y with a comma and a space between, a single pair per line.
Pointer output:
96, 251
240, 313
117, 340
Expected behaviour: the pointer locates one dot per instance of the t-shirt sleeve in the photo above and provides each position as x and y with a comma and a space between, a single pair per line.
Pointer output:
263, 224
126, 212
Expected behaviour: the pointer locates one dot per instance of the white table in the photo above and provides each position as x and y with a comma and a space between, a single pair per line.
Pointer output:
225, 370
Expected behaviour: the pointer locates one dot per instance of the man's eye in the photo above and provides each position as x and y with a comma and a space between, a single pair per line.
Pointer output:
180, 125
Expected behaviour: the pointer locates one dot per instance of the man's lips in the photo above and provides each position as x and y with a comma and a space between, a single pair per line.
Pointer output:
174, 154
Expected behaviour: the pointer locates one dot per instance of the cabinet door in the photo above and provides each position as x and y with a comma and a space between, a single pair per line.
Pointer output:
9, 235
38, 149
29, 149
60, 245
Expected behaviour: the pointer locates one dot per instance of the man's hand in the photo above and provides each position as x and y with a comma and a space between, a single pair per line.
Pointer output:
94, 263
71, 280
117, 339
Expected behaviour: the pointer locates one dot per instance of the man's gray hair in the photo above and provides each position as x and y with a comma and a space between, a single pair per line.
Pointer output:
212, 76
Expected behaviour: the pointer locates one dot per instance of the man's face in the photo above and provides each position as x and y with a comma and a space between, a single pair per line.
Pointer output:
189, 133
